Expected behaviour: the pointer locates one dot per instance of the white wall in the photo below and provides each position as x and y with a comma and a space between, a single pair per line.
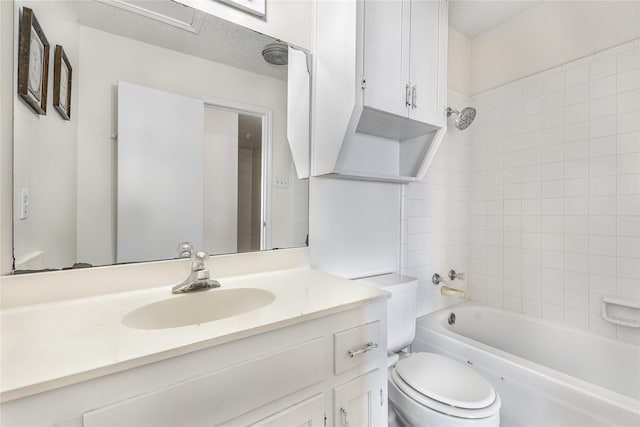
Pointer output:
459, 62
106, 58
552, 33
555, 214
46, 142
6, 136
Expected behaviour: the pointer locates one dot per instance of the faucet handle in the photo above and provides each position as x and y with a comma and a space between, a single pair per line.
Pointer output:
453, 275
199, 261
185, 250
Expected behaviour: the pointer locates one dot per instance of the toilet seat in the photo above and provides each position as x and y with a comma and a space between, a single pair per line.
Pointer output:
446, 386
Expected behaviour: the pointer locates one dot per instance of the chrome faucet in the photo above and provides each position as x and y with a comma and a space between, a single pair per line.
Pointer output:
199, 279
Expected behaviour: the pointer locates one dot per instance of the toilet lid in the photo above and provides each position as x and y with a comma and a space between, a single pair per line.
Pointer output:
446, 381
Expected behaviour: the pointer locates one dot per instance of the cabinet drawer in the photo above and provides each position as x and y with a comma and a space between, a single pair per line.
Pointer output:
222, 395
356, 346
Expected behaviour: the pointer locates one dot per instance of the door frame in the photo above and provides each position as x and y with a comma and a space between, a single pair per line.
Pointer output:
266, 114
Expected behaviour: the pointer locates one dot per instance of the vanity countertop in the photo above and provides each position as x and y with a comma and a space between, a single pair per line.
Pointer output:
58, 343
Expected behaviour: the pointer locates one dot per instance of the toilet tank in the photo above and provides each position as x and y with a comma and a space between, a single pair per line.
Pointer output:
401, 307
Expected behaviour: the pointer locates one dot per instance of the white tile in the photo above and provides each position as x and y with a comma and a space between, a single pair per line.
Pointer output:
602, 225
603, 166
576, 150
512, 159
603, 107
553, 171
576, 131
628, 205
512, 239
512, 303
628, 226
531, 240
531, 257
553, 101
578, 319
512, 175
553, 82
628, 101
512, 223
553, 118
553, 189
552, 294
603, 68
551, 242
576, 224
553, 312
576, 113
552, 223
513, 207
576, 75
628, 268
577, 262
553, 206
532, 206
628, 60
628, 163
532, 156
629, 80
576, 94
604, 146
605, 126
576, 299
628, 122
554, 153
531, 223
576, 187
602, 264
531, 88
553, 135
574, 169
602, 186
599, 326
629, 288
494, 207
532, 190
603, 87
628, 247
576, 243
628, 184
531, 139
532, 123
532, 106
576, 206
602, 245
602, 205
531, 307
629, 335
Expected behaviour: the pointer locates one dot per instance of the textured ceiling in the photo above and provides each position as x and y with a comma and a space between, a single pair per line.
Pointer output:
473, 17
177, 27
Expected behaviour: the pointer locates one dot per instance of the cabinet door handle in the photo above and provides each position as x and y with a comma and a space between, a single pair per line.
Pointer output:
344, 414
367, 347
407, 96
414, 97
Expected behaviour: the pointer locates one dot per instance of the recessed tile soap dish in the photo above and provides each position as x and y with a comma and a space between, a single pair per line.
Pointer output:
621, 312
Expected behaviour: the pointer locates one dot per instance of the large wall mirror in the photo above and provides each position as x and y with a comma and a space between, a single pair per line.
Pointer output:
181, 127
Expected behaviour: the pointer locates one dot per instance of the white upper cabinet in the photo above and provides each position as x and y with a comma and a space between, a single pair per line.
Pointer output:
380, 80
404, 58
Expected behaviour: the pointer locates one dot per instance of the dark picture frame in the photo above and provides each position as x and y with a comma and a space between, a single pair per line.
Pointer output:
33, 62
62, 74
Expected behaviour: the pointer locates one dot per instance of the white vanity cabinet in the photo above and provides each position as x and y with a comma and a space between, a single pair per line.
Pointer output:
403, 58
301, 374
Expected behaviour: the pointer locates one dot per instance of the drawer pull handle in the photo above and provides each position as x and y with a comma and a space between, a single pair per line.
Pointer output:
367, 347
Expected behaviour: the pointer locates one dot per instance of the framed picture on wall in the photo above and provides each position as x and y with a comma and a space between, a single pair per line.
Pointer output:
255, 7
62, 83
33, 62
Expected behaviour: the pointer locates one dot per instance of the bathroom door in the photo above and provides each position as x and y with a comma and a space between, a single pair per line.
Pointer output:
160, 173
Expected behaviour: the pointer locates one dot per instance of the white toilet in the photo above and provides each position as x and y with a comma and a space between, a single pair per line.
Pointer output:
427, 389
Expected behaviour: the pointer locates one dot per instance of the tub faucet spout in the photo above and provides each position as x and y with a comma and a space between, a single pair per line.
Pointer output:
199, 279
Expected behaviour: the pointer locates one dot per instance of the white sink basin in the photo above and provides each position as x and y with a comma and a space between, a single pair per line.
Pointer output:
196, 308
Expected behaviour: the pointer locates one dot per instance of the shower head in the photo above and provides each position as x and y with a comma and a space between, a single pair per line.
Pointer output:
276, 54
465, 117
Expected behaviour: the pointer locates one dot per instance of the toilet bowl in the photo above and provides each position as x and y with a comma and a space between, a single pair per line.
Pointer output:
427, 389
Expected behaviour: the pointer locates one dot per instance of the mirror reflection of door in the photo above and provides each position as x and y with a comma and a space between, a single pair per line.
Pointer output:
233, 181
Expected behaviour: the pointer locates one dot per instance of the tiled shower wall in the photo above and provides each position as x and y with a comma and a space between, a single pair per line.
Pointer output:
554, 210
435, 229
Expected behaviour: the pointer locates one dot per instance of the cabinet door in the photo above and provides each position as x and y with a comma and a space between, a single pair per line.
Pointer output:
428, 61
309, 413
360, 402
385, 50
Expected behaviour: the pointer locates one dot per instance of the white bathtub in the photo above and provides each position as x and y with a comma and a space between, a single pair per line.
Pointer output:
546, 374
